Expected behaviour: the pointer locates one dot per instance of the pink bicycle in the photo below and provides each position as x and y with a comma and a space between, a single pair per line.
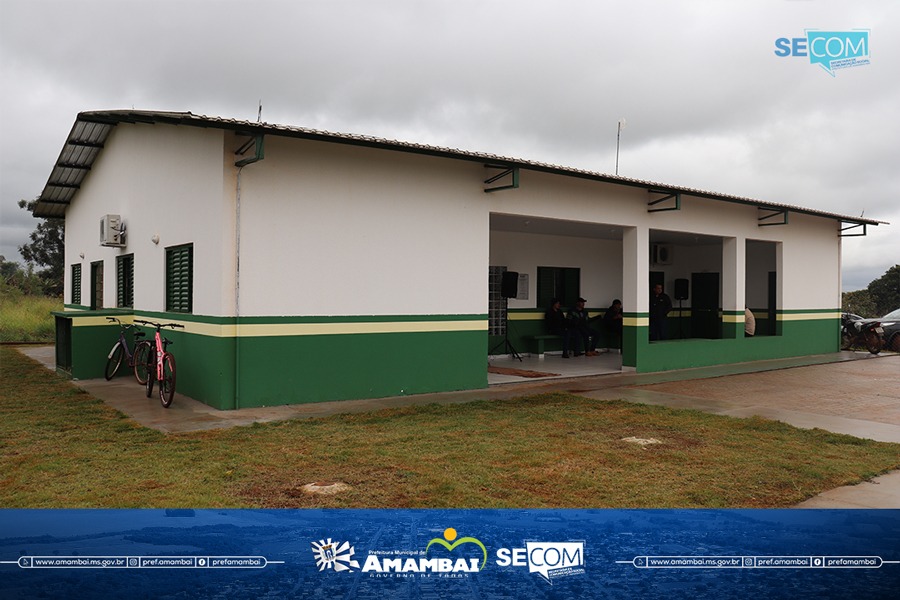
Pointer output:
161, 364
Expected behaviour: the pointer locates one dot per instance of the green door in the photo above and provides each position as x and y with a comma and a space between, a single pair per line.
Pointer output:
96, 285
705, 322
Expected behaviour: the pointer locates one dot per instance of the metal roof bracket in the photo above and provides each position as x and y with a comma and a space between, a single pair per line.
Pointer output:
674, 197
511, 172
845, 227
763, 219
259, 140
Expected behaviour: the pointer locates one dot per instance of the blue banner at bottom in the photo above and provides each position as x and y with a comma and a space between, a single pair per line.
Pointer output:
423, 554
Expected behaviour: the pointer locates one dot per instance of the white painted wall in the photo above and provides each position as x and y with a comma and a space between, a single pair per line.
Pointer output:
330, 229
163, 180
809, 275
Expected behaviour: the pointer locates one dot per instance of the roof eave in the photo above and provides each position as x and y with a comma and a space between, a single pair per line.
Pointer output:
47, 206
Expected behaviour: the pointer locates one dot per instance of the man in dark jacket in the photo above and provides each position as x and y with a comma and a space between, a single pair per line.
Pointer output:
558, 325
660, 305
579, 322
613, 320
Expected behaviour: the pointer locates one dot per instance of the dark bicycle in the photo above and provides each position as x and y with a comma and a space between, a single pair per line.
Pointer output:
161, 364
120, 353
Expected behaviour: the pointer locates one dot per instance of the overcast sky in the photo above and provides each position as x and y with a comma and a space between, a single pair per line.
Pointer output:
707, 102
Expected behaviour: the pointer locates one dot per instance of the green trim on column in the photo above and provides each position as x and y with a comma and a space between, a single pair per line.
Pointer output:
635, 337
732, 324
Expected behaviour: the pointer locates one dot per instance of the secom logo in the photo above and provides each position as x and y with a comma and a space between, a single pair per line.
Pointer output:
550, 560
831, 50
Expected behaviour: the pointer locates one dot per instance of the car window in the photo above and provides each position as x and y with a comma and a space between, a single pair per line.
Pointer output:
892, 315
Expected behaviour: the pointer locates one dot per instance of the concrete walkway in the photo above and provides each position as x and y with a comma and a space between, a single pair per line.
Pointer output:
847, 392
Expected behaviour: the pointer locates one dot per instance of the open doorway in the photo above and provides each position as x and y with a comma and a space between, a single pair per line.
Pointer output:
689, 268
761, 285
561, 259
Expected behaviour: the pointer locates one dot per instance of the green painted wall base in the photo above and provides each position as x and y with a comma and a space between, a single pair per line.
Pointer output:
797, 338
228, 372
302, 369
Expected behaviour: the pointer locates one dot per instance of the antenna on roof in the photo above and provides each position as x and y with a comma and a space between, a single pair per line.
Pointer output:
259, 114
619, 135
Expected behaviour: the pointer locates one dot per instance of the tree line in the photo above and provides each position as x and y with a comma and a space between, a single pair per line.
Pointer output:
878, 299
44, 256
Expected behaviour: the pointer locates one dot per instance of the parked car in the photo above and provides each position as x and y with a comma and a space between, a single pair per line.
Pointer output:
891, 325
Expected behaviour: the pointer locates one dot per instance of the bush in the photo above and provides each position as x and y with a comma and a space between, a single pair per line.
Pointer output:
25, 317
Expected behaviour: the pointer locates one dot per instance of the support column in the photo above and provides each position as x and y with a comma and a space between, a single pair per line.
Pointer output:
635, 294
780, 296
734, 280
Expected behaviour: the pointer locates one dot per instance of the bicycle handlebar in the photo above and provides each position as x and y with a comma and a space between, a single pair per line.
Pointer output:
159, 325
121, 324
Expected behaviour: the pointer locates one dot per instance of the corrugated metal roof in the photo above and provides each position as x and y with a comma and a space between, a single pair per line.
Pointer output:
92, 128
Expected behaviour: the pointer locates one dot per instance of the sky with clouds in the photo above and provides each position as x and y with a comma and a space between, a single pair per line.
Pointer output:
707, 101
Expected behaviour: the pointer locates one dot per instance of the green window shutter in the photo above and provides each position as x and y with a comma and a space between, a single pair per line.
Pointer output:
571, 285
76, 284
546, 288
180, 278
125, 281
558, 282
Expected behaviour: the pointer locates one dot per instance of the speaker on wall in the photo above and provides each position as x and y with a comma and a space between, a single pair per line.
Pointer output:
509, 285
681, 289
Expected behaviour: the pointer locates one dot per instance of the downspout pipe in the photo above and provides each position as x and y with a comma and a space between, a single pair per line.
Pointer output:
240, 164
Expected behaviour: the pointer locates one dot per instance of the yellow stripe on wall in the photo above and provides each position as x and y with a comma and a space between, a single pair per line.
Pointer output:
294, 329
521, 316
808, 316
95, 321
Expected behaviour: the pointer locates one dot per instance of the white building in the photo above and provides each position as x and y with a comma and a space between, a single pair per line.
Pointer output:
289, 254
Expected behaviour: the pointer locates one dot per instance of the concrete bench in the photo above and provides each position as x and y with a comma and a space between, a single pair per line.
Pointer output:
540, 340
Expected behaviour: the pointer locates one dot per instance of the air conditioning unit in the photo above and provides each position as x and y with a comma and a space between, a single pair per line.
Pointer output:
112, 231
661, 254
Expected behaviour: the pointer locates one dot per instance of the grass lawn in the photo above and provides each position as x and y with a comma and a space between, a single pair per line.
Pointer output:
27, 318
60, 447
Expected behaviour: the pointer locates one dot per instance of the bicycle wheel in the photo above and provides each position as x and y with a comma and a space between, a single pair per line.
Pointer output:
167, 383
141, 362
114, 360
151, 371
